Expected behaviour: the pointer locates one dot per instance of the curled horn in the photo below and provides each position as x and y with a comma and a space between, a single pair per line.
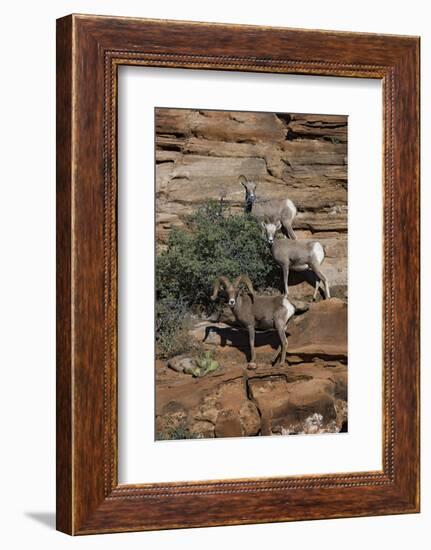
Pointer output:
242, 180
246, 280
219, 281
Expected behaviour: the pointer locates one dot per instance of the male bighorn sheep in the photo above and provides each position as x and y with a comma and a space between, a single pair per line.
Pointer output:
276, 210
257, 312
296, 255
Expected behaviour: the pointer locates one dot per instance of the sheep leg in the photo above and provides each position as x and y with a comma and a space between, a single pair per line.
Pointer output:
281, 328
277, 353
314, 264
252, 362
316, 288
286, 279
289, 229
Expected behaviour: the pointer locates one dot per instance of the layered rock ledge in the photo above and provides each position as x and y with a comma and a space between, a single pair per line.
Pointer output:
307, 395
200, 154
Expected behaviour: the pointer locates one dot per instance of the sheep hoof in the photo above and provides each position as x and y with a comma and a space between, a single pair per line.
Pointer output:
252, 366
275, 359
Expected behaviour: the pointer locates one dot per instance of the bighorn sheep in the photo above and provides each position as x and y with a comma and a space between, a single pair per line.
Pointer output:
257, 312
296, 255
276, 210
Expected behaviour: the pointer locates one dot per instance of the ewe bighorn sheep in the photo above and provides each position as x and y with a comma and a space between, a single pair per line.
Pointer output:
257, 312
296, 255
276, 210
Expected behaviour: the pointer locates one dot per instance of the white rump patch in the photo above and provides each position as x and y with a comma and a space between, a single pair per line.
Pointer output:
318, 251
291, 207
290, 308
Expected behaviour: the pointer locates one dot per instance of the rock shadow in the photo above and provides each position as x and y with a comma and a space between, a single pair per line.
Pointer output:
238, 338
309, 277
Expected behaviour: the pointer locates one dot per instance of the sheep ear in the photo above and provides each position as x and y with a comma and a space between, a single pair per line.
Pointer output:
278, 224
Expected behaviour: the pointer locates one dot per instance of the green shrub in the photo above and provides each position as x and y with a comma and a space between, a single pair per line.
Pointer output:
215, 242
172, 325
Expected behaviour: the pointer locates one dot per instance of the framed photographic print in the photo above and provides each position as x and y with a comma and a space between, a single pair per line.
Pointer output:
237, 274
